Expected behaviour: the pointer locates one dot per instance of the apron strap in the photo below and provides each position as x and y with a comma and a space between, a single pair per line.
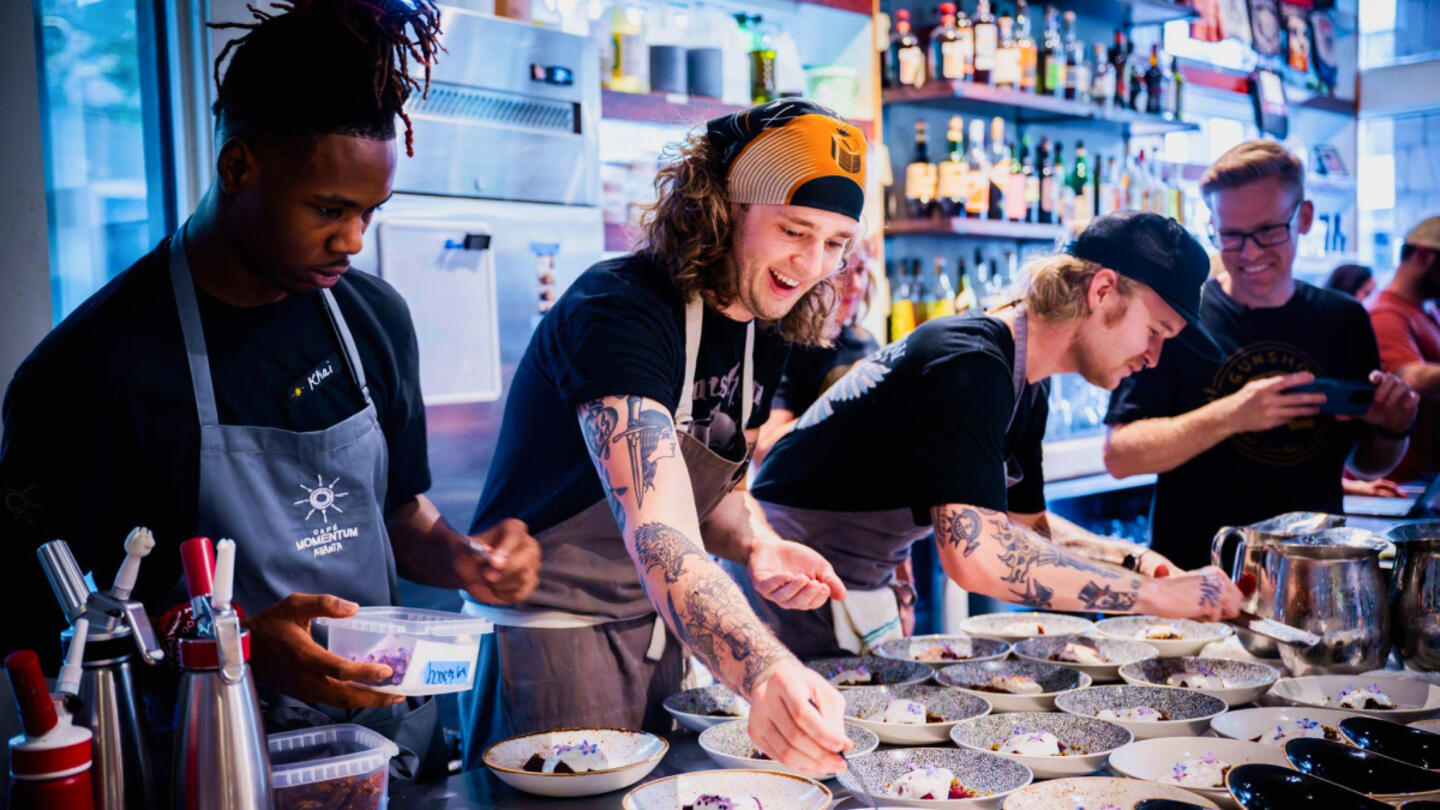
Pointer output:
694, 319
191, 330
1018, 377
347, 342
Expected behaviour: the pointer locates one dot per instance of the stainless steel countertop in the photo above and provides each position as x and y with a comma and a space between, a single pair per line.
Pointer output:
480, 790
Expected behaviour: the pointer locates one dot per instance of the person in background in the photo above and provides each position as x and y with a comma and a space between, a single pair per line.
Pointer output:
1409, 336
1354, 280
629, 428
811, 369
238, 382
1231, 443
952, 421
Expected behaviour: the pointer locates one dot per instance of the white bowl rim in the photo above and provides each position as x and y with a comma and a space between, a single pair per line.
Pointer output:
664, 749
1084, 676
829, 796
1271, 677
1206, 717
1223, 630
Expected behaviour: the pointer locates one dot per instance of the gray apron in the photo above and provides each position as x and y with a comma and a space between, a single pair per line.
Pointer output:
587, 649
865, 548
306, 510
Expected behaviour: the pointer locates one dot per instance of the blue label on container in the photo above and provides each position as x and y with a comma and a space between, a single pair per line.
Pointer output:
446, 673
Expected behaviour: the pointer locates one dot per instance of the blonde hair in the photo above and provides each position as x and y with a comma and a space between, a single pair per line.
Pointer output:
689, 229
1057, 287
1251, 162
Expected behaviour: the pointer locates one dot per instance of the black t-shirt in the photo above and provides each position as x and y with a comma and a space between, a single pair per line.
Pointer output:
619, 330
932, 412
101, 432
1252, 476
812, 369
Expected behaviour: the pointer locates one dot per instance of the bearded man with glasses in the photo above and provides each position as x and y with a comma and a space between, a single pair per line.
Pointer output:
1232, 440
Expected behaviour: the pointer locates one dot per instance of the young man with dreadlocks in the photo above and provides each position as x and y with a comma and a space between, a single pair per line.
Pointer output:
629, 423
237, 382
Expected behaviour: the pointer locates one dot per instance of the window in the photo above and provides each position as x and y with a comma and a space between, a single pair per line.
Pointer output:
100, 108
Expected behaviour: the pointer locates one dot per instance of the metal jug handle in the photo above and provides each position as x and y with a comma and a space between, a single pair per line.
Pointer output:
227, 642
1217, 545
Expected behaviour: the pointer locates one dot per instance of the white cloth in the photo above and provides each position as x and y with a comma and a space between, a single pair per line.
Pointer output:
864, 619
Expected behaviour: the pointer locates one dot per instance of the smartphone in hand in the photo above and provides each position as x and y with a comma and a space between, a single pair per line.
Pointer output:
1342, 397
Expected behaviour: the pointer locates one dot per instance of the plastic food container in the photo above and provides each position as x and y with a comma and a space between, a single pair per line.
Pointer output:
342, 767
430, 651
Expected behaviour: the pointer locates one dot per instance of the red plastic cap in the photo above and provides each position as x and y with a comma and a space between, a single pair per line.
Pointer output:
37, 711
902, 14
947, 8
198, 556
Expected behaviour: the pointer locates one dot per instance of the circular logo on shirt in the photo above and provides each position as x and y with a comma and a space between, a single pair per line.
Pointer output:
320, 498
1288, 444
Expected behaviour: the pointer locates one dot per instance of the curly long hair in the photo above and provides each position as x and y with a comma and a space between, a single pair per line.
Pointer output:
690, 229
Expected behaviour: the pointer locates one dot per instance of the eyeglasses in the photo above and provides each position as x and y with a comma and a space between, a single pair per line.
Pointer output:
1268, 236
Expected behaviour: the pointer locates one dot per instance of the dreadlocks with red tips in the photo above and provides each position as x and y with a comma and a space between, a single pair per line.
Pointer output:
326, 66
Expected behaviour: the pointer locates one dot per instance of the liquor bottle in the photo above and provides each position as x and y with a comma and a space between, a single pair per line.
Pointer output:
1051, 69
1107, 199
1007, 57
1083, 205
630, 72
1119, 65
1026, 45
1154, 78
902, 307
1032, 182
1045, 206
1128, 191
906, 56
940, 298
999, 168
1074, 58
965, 300
977, 202
965, 32
920, 177
1060, 190
1137, 78
948, 59
1015, 188
1102, 86
1177, 91
987, 42
952, 177
762, 63
982, 280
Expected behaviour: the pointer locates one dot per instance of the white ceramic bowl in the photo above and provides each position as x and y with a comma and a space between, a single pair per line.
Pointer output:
886, 671
632, 755
782, 791
1414, 700
1053, 678
965, 647
1006, 626
1244, 681
1116, 651
1096, 737
692, 708
730, 746
1260, 724
993, 775
1195, 635
1189, 711
1095, 792
865, 705
1155, 760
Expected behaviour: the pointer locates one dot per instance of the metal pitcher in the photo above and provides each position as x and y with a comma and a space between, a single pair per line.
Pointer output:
1415, 594
1330, 583
1257, 558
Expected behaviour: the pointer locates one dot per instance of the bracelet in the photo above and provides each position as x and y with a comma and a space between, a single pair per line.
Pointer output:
1394, 435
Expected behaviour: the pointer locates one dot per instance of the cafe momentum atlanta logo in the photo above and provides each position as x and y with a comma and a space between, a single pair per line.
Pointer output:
321, 498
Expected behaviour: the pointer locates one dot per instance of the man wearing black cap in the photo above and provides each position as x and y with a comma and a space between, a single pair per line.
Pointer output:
954, 414
1232, 442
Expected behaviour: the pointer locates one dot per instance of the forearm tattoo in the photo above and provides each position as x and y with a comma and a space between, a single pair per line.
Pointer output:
597, 424
1096, 596
960, 529
711, 616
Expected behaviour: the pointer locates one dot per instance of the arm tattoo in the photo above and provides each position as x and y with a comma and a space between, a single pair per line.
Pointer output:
1023, 554
597, 424
712, 617
650, 435
960, 529
1210, 590
1102, 597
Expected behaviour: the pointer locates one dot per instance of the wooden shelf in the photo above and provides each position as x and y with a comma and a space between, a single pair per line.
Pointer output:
1199, 74
1028, 107
976, 229
1132, 13
675, 109
856, 6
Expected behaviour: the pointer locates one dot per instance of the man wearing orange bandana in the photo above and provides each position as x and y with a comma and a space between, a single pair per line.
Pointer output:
630, 422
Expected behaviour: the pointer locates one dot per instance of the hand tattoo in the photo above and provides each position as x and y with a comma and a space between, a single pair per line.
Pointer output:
650, 433
1210, 588
1102, 597
960, 529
